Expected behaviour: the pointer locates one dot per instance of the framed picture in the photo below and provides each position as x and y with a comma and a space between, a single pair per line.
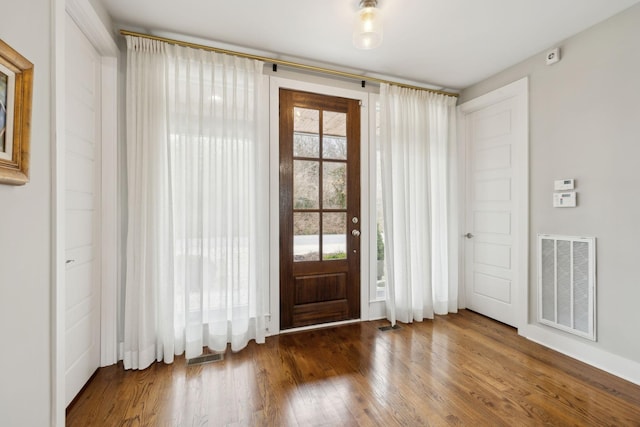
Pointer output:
16, 87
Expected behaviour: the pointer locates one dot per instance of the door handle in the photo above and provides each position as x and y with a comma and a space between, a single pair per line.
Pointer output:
469, 236
355, 233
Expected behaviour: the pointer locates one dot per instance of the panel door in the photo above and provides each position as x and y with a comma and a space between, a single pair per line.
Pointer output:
319, 209
82, 195
491, 138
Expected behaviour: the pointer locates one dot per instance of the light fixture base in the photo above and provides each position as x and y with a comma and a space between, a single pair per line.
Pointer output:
368, 3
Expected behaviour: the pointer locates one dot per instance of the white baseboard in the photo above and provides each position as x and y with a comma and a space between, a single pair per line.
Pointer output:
616, 365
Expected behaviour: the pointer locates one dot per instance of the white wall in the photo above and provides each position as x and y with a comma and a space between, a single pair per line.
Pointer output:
25, 236
585, 124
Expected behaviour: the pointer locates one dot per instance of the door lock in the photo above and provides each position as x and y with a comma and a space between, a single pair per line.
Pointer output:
355, 233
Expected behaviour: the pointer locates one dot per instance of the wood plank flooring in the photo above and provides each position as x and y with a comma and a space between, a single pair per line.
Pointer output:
461, 369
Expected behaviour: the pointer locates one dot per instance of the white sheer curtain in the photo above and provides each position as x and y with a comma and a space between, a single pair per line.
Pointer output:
197, 238
418, 156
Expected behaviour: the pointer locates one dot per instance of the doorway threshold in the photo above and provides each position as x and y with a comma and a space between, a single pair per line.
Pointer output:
319, 326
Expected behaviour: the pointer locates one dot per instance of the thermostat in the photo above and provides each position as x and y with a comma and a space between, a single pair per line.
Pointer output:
563, 184
564, 200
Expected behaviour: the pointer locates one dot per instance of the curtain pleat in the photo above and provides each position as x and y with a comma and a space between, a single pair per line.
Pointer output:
196, 252
417, 141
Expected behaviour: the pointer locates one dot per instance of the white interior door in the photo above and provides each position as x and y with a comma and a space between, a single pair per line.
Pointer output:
82, 212
495, 134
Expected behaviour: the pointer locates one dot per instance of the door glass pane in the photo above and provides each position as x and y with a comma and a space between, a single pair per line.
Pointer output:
306, 184
334, 140
306, 132
306, 236
381, 279
334, 236
334, 185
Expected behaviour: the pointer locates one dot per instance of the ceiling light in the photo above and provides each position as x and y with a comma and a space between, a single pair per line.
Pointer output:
367, 29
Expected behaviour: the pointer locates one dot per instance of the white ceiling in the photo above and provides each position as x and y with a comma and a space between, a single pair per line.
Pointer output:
443, 43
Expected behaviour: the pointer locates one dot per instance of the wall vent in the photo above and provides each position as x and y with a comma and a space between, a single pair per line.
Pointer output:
567, 283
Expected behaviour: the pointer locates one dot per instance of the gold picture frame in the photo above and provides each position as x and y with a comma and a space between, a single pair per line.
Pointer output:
16, 88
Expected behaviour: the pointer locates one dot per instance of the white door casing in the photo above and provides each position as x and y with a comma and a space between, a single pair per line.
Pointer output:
494, 138
82, 210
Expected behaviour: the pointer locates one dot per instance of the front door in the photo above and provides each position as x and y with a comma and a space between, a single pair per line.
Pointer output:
319, 209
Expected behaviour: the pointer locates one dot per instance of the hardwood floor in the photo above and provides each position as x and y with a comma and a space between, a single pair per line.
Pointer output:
461, 369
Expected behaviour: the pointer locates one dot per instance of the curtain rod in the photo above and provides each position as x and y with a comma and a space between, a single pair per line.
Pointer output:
283, 62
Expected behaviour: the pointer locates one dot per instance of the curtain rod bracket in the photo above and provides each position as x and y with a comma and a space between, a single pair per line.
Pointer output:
364, 83
275, 68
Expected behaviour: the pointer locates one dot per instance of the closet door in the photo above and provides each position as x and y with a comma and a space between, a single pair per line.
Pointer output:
82, 211
495, 137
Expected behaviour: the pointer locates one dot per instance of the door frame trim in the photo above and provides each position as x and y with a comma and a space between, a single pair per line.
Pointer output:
520, 91
275, 84
87, 19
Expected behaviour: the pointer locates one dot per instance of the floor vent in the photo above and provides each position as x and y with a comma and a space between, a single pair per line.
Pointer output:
388, 328
205, 358
567, 283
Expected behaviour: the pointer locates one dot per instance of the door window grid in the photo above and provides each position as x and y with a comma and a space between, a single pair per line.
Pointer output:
320, 185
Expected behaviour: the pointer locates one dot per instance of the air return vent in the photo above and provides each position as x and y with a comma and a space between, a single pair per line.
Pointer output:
567, 284
205, 358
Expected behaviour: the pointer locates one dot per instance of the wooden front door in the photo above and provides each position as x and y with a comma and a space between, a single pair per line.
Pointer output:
319, 209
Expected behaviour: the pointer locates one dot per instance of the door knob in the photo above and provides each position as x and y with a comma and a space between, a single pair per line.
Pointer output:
355, 233
468, 235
